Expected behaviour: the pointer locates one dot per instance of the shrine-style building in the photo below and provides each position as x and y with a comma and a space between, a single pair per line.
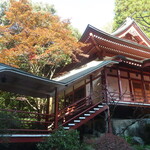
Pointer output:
114, 76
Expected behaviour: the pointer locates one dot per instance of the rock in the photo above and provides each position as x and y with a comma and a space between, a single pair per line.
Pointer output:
137, 140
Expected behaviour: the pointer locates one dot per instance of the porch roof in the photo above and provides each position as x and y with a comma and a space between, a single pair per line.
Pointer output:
20, 82
83, 71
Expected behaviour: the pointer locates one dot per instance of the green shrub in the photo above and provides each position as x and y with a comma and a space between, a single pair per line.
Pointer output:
62, 140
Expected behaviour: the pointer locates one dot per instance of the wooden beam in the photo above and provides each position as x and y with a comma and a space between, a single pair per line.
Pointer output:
47, 109
105, 84
101, 52
119, 85
108, 121
91, 89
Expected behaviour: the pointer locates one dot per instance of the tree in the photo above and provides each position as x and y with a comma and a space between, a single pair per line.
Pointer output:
137, 9
35, 41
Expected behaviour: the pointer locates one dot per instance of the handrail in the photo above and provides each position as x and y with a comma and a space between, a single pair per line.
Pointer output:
26, 121
77, 105
82, 112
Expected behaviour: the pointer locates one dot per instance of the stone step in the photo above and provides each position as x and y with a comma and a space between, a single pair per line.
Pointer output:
81, 118
71, 124
66, 128
96, 108
76, 121
100, 106
91, 112
87, 115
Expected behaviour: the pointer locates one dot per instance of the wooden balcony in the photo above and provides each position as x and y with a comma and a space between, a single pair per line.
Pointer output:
128, 99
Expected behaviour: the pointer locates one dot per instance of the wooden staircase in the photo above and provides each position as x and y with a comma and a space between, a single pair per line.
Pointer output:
83, 117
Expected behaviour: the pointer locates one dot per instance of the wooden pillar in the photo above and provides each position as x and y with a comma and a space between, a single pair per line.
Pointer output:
73, 95
105, 84
56, 110
108, 121
143, 88
119, 85
47, 105
91, 89
47, 108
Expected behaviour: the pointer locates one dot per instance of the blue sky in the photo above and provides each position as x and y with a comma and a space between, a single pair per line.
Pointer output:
84, 12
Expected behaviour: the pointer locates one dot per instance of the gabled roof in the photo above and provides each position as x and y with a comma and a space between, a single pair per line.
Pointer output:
131, 27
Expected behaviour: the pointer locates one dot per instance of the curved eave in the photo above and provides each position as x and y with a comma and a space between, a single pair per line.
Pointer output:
105, 39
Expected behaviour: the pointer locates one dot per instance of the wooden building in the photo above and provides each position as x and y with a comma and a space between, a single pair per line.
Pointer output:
116, 73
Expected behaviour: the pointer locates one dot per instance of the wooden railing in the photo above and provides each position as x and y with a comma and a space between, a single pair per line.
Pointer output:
73, 109
23, 122
128, 97
16, 121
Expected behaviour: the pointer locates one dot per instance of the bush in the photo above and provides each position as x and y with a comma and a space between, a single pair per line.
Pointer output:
62, 140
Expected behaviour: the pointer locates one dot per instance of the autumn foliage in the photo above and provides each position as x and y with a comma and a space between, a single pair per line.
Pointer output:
33, 40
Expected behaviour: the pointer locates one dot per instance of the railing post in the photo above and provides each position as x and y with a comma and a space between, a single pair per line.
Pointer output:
56, 110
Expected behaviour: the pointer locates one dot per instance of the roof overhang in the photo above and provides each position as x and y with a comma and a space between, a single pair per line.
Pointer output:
20, 82
114, 45
84, 71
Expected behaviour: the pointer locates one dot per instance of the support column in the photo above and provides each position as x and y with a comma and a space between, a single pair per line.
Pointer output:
143, 88
73, 94
91, 89
56, 110
120, 86
47, 110
108, 121
104, 85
